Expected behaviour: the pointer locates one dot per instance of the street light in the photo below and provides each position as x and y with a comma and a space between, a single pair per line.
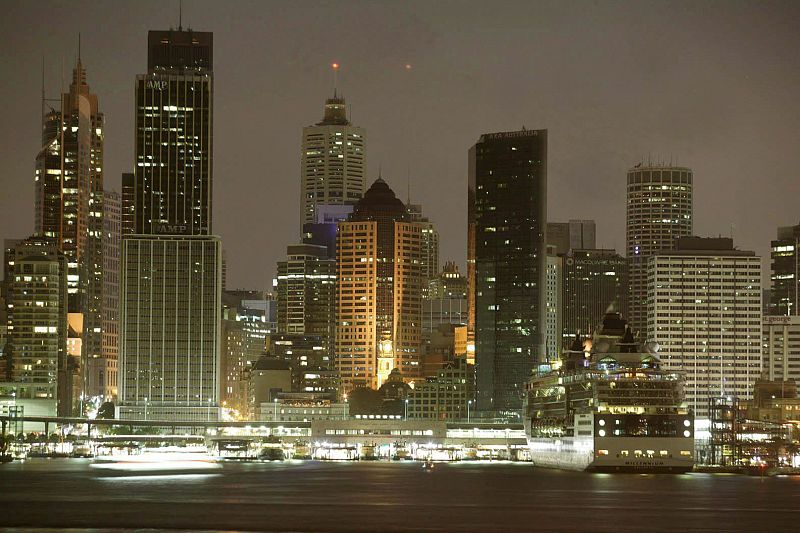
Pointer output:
275, 412
406, 408
145, 408
469, 402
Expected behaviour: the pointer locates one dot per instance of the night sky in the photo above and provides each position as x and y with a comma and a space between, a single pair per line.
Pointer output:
710, 85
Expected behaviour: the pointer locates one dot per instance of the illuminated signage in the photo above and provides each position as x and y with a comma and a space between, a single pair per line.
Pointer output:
158, 85
512, 134
172, 229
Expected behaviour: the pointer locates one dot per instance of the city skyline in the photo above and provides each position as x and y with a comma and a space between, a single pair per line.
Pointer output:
729, 54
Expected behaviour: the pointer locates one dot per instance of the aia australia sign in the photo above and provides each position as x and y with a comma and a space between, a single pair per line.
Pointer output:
158, 85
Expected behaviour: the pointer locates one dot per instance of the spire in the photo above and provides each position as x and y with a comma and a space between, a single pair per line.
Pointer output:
78, 73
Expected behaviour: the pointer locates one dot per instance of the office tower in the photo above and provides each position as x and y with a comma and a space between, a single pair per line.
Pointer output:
171, 312
572, 235
112, 234
704, 312
322, 232
333, 161
785, 272
379, 291
508, 185
658, 211
128, 203
170, 361
781, 353
174, 143
305, 290
304, 353
593, 281
430, 247
554, 305
449, 283
245, 330
35, 292
447, 395
69, 205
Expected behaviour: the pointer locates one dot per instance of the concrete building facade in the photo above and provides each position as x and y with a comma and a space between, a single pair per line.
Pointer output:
704, 312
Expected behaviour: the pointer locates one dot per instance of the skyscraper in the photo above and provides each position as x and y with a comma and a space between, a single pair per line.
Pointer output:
333, 161
508, 185
554, 298
572, 235
306, 293
35, 291
69, 204
171, 278
704, 311
112, 234
378, 311
593, 281
658, 211
430, 247
785, 274
174, 135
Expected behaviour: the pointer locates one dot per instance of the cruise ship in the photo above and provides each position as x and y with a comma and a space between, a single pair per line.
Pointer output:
608, 406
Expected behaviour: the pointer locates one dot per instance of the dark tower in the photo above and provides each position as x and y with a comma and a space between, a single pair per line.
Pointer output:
508, 182
174, 127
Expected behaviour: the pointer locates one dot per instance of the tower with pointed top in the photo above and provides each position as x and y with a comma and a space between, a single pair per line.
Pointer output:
333, 161
69, 208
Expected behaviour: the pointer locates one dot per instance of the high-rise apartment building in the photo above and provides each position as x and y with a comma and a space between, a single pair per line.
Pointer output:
554, 306
170, 342
508, 185
35, 292
430, 247
785, 275
658, 211
378, 322
781, 361
112, 236
704, 311
306, 293
69, 205
333, 161
572, 235
593, 281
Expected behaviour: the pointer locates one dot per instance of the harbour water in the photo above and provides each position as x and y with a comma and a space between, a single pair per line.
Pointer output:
388, 496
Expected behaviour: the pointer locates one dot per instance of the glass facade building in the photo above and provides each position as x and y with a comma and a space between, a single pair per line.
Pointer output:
508, 185
171, 281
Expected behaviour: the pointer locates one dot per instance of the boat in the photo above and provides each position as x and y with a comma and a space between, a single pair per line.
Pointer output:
607, 406
166, 460
271, 454
368, 452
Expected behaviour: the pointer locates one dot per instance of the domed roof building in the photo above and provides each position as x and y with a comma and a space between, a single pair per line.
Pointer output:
379, 308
